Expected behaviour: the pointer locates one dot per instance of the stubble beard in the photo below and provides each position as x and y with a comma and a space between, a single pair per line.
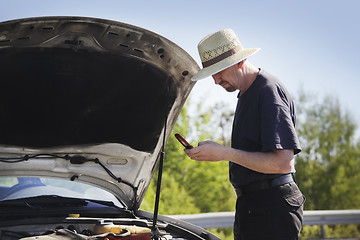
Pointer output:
230, 88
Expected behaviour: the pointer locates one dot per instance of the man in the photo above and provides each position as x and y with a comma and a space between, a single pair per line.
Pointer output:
261, 157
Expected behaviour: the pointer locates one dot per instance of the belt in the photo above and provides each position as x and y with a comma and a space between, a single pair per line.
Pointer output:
263, 185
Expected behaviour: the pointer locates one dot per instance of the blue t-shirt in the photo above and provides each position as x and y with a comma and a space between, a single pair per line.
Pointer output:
264, 120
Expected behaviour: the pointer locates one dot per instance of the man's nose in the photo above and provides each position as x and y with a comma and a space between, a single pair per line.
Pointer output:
217, 79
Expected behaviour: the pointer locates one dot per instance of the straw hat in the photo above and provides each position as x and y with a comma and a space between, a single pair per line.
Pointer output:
219, 51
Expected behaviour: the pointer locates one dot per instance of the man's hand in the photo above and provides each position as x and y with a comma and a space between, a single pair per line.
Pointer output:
207, 151
272, 162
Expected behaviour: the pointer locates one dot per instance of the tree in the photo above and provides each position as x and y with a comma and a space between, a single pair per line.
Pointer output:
328, 168
198, 186
173, 191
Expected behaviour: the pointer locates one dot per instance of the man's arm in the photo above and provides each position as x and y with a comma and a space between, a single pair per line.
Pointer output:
276, 161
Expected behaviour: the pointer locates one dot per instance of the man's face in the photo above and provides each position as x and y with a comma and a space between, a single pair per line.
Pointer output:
227, 78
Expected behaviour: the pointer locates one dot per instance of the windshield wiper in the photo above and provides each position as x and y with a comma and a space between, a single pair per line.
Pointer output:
51, 200
53, 205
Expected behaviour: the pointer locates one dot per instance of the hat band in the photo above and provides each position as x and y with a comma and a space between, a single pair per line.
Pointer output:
222, 56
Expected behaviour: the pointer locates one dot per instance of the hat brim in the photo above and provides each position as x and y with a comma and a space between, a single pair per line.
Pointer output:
225, 63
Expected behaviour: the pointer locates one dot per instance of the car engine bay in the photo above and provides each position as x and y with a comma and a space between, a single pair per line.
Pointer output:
74, 227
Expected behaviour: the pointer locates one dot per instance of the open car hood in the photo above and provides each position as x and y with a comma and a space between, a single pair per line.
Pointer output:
77, 91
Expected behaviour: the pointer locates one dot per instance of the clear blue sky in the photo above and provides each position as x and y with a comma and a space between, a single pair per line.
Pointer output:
313, 44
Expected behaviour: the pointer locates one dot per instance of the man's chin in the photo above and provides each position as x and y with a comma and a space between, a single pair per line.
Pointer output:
230, 89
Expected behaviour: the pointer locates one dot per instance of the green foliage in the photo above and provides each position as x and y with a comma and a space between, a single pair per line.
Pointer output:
330, 232
174, 198
328, 168
188, 186
198, 186
209, 185
173, 190
222, 233
341, 231
313, 232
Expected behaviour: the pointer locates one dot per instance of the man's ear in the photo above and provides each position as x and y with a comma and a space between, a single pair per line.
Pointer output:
240, 64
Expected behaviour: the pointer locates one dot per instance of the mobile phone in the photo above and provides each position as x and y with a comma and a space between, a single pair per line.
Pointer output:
183, 141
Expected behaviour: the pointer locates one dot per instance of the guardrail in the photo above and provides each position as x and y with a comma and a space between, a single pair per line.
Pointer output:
320, 217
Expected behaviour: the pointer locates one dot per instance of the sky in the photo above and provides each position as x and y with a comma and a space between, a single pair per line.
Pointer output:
313, 45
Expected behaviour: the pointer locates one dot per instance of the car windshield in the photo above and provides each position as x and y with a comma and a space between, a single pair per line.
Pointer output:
25, 187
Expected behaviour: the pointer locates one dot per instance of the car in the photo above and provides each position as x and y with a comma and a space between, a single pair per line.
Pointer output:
86, 108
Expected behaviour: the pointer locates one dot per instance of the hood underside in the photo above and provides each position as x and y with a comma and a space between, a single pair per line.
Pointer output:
73, 84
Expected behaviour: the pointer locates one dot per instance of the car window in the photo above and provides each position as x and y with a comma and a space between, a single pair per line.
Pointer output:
21, 187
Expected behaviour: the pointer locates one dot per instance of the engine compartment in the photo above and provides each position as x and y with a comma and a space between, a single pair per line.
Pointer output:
84, 228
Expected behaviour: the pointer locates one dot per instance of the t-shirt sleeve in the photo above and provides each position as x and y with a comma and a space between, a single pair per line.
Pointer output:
278, 128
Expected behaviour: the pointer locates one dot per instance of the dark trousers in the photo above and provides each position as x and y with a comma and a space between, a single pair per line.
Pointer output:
276, 213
